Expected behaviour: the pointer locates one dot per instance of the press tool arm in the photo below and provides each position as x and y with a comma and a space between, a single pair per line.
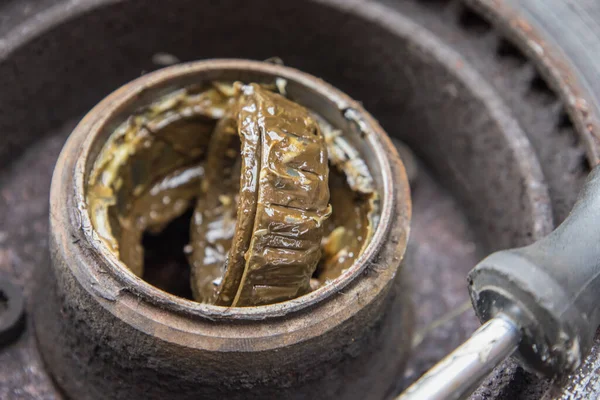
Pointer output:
541, 301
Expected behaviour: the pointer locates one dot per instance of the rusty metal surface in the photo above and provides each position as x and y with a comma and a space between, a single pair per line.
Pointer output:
24, 179
584, 383
517, 56
98, 325
24, 191
562, 39
518, 81
562, 36
442, 249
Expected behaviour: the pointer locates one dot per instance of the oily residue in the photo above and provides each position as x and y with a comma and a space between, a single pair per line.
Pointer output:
155, 166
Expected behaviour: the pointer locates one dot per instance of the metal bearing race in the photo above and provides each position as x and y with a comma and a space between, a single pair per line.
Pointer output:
103, 330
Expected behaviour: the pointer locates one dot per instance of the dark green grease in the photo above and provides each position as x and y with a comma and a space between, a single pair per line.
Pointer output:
257, 237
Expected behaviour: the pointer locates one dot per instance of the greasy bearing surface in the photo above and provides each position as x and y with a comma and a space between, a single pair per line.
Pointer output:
282, 173
282, 205
165, 135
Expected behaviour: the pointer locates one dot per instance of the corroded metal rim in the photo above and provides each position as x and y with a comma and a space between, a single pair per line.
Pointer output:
104, 115
523, 23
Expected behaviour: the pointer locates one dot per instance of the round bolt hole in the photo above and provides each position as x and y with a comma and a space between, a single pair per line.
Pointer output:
11, 312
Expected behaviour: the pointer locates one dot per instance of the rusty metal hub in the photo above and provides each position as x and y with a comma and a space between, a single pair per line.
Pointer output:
94, 318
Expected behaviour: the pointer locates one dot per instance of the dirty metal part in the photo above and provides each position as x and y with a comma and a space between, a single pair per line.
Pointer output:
524, 79
541, 299
549, 288
167, 199
36, 34
282, 202
348, 230
128, 196
556, 34
554, 37
149, 144
520, 80
460, 372
113, 323
12, 312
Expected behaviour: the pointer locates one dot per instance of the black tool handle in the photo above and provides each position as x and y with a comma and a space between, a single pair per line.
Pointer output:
550, 288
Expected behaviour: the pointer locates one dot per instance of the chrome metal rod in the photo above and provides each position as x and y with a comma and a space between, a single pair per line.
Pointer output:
460, 372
